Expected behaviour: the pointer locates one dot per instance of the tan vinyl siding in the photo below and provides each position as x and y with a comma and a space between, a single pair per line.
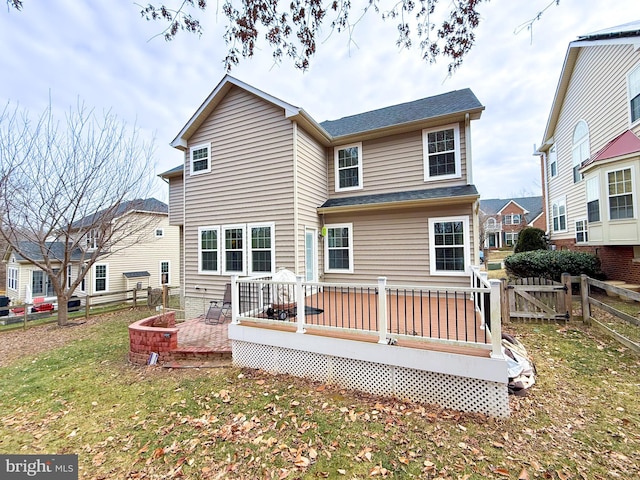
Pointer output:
395, 244
597, 94
251, 180
312, 188
395, 163
176, 201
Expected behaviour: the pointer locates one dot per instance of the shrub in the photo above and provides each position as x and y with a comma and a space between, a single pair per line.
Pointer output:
531, 238
552, 264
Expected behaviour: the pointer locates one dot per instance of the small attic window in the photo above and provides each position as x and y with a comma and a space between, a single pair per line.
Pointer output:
159, 232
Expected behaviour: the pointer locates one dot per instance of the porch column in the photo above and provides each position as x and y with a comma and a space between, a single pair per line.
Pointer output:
382, 309
300, 304
235, 301
496, 319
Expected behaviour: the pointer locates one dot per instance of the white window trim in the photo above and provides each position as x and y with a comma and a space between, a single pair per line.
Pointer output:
425, 152
199, 147
576, 146
249, 255
224, 228
560, 201
12, 279
466, 246
633, 194
360, 185
69, 275
592, 193
510, 238
629, 98
82, 286
95, 277
349, 226
161, 234
585, 231
200, 270
168, 262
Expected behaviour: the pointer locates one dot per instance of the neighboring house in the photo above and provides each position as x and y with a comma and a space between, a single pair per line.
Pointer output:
591, 151
503, 219
383, 193
3, 267
151, 259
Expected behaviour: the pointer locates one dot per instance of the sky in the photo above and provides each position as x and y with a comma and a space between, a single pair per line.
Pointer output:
104, 54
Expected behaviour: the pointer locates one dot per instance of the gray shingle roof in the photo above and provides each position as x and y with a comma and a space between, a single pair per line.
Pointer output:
533, 205
423, 109
139, 204
630, 29
427, 194
55, 250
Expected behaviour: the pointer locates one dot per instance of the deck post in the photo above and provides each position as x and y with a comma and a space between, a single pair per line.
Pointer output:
382, 309
496, 319
235, 301
300, 304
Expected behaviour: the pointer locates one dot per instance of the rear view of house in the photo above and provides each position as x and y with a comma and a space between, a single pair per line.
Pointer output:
382, 193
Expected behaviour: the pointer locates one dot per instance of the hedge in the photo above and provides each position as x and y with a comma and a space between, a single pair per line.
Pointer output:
531, 238
552, 264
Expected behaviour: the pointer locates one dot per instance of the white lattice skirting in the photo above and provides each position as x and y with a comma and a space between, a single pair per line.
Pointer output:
459, 382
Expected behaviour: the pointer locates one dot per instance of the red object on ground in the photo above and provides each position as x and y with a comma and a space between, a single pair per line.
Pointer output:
43, 307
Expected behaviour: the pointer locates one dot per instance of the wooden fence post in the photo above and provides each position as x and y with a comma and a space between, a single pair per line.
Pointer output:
568, 304
504, 299
584, 297
26, 314
87, 305
135, 297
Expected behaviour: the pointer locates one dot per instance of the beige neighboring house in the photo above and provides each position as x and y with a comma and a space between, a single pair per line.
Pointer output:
264, 186
152, 261
591, 151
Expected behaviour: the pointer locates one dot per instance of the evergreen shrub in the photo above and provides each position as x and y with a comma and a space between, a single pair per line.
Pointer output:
531, 238
552, 264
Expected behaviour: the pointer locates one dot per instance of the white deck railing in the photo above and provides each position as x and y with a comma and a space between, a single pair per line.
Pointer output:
451, 315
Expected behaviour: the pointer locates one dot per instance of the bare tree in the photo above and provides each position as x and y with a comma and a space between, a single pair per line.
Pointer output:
66, 189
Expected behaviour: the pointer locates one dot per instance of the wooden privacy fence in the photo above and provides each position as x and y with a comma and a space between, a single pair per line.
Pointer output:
537, 299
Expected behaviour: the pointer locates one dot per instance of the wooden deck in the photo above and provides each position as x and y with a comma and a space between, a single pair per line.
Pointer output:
435, 315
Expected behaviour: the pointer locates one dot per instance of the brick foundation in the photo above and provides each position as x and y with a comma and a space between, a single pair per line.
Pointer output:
616, 261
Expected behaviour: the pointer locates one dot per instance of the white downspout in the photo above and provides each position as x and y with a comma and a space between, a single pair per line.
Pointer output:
296, 240
467, 143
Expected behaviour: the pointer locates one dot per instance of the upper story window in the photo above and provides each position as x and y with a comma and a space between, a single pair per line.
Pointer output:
559, 215
12, 278
208, 250
620, 188
553, 162
441, 147
348, 167
92, 239
339, 248
159, 232
512, 219
491, 223
449, 245
593, 199
200, 159
633, 81
580, 149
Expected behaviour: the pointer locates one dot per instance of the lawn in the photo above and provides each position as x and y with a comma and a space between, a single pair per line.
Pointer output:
71, 390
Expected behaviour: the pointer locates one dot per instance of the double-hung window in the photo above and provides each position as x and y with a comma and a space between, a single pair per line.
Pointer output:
582, 235
209, 250
593, 199
511, 238
633, 81
261, 248
92, 239
233, 236
200, 159
441, 150
348, 167
101, 280
339, 248
449, 245
69, 275
620, 186
164, 273
559, 215
580, 149
12, 278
